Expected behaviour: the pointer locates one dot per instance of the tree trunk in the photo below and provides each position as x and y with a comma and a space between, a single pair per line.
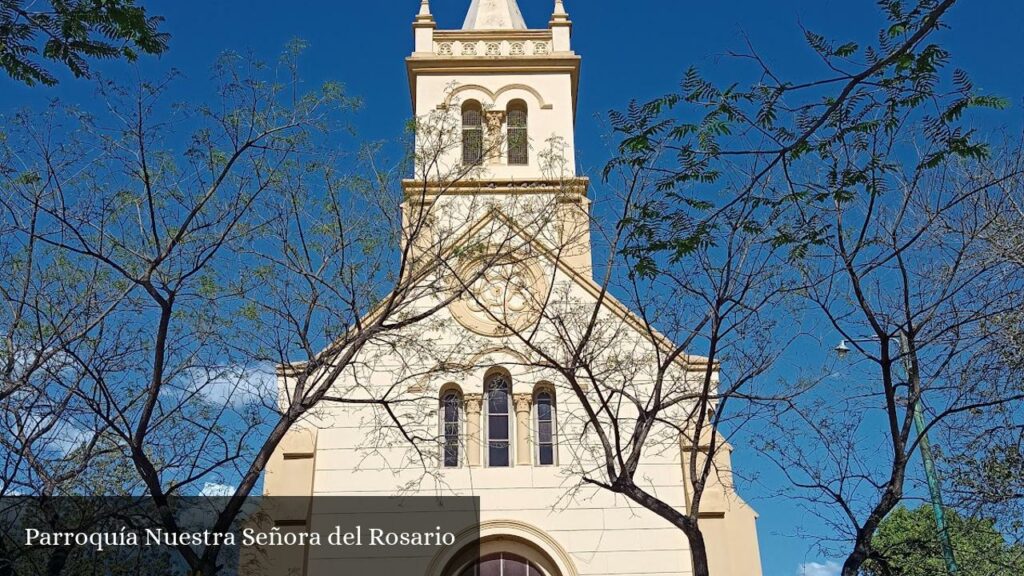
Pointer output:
59, 558
854, 561
699, 553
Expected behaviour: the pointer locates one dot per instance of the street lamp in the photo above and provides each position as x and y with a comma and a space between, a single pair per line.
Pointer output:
842, 350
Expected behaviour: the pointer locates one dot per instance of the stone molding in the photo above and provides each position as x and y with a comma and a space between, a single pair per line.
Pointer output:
524, 532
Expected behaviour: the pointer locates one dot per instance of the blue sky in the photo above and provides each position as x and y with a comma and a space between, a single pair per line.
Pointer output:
635, 49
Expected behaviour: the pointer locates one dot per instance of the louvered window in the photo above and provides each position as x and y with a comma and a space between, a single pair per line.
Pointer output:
451, 408
472, 133
545, 407
518, 139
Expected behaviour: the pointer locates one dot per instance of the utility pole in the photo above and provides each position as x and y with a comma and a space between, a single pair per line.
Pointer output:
934, 487
913, 380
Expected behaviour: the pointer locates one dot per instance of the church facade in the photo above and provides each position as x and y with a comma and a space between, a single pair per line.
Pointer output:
502, 216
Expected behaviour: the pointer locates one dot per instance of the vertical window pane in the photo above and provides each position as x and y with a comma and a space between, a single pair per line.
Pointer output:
545, 429
472, 134
502, 564
499, 427
451, 456
497, 396
498, 455
490, 567
518, 139
547, 455
498, 421
452, 405
514, 567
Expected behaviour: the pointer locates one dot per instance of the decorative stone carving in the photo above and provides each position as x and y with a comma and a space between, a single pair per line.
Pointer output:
522, 402
495, 121
495, 118
540, 47
518, 49
474, 403
493, 49
445, 49
505, 297
469, 48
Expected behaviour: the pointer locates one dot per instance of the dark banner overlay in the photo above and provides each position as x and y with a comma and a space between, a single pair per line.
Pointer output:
339, 536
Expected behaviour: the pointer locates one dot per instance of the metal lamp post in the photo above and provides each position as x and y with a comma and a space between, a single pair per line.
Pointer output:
934, 486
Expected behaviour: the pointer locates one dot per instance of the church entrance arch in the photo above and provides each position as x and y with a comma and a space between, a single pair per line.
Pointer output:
506, 548
502, 556
500, 564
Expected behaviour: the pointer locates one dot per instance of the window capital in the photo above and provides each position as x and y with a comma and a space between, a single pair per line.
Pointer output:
523, 402
474, 403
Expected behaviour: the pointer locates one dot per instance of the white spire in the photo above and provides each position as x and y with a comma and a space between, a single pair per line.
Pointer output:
424, 9
494, 15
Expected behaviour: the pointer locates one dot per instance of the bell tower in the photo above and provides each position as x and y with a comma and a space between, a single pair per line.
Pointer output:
504, 97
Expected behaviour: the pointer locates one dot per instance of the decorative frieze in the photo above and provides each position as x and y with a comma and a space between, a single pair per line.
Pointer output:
492, 48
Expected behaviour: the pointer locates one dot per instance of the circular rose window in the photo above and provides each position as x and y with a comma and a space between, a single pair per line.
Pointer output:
500, 299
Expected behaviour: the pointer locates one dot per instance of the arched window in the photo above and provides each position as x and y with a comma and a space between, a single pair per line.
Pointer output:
498, 420
502, 564
544, 407
451, 420
518, 141
472, 133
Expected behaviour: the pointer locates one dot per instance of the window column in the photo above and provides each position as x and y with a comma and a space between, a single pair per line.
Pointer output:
524, 446
495, 119
474, 403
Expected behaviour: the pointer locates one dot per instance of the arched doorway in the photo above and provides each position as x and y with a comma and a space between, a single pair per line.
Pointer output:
503, 548
502, 556
501, 564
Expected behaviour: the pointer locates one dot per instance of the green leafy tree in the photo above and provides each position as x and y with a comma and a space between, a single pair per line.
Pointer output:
990, 476
907, 544
152, 288
70, 32
881, 193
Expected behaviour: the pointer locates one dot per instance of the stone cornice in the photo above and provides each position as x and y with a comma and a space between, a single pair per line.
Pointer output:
469, 35
418, 190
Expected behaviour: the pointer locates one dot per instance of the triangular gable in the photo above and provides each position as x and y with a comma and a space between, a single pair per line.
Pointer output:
609, 301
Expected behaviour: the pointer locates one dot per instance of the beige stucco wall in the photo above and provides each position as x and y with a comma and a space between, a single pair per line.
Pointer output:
549, 99
602, 534
351, 450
